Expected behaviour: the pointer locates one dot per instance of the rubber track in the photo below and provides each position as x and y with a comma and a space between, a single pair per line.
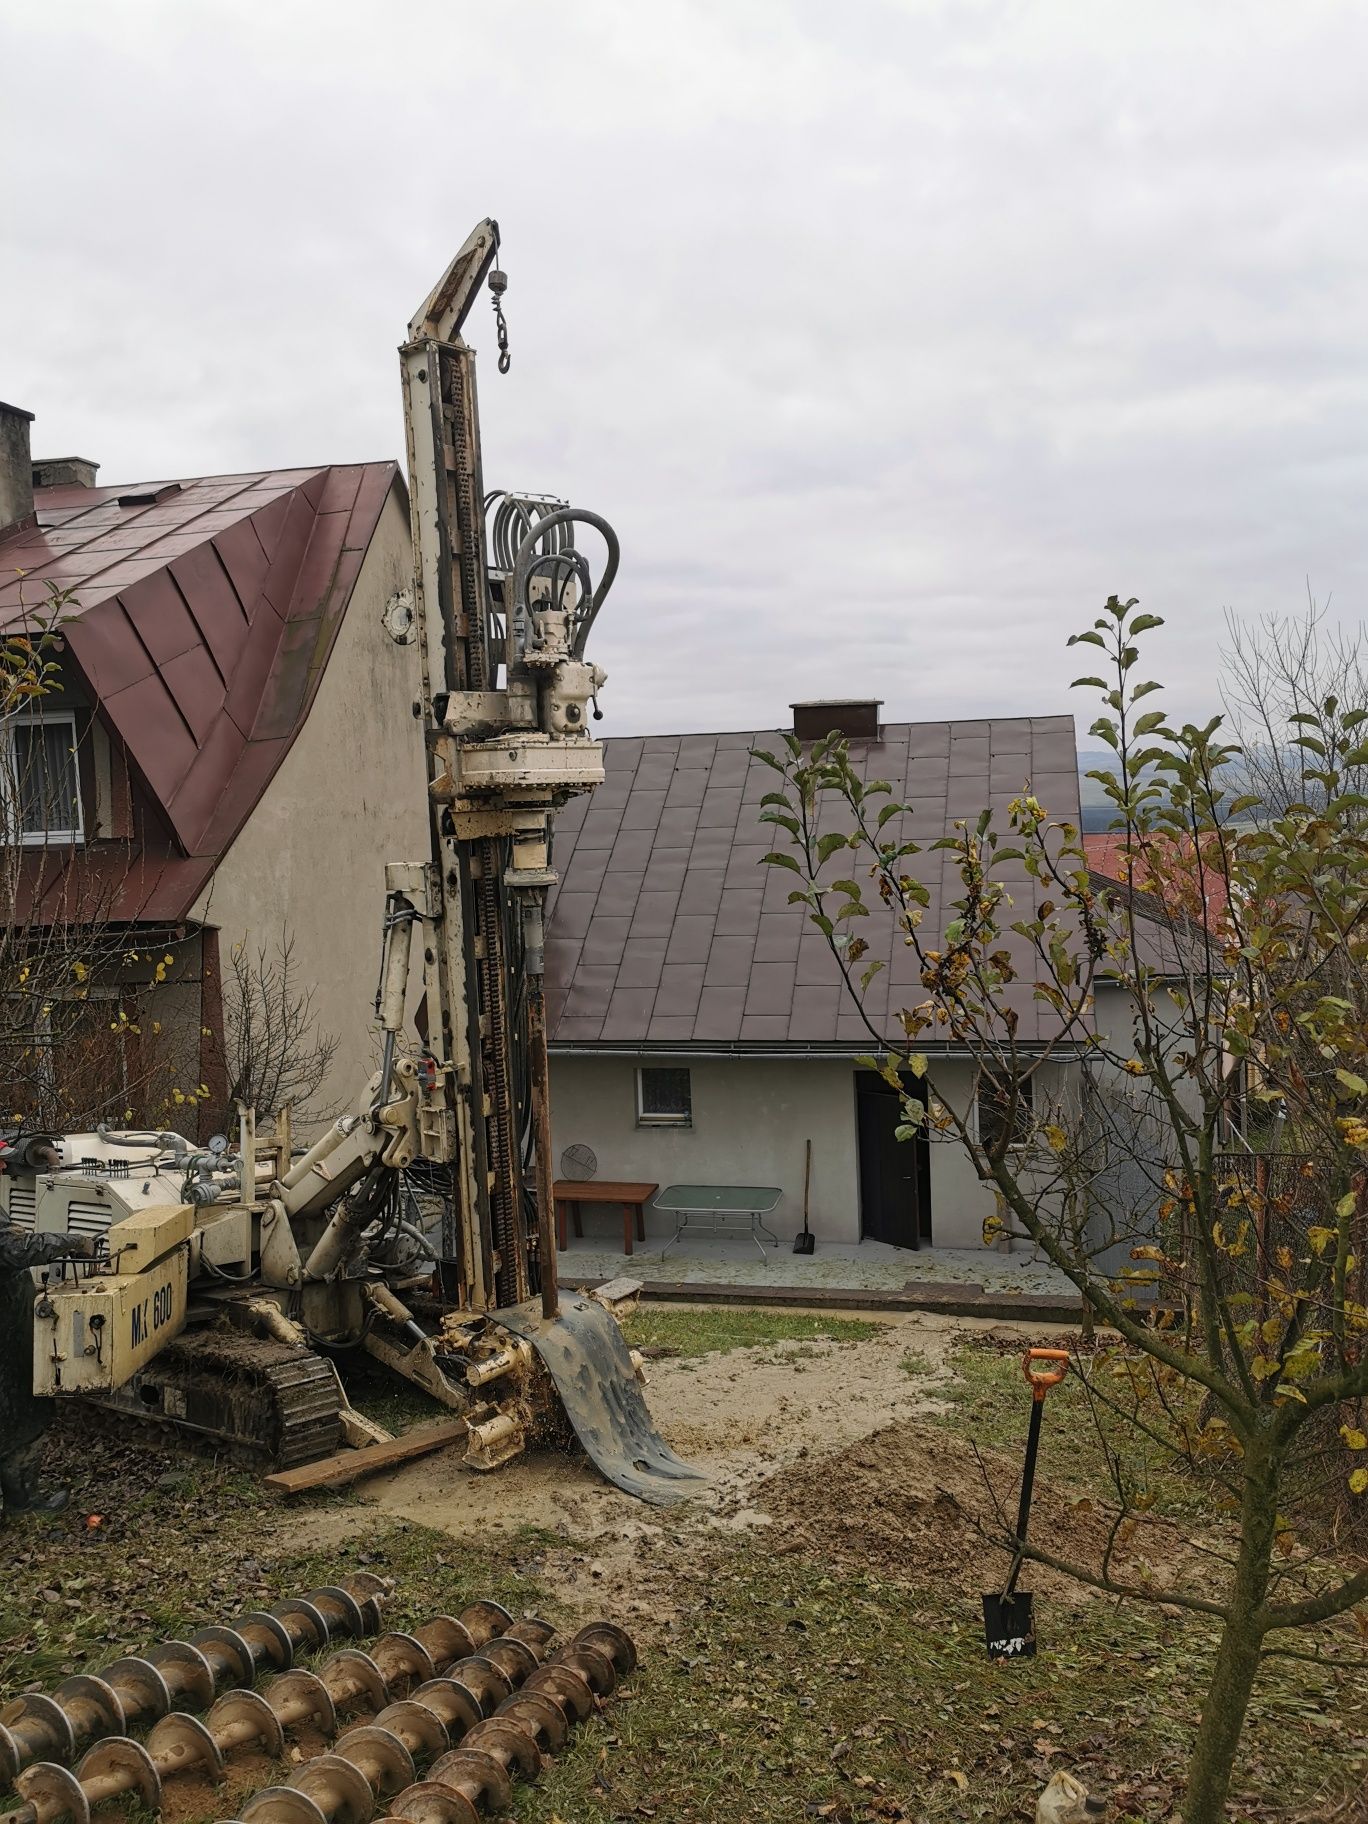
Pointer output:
278, 1404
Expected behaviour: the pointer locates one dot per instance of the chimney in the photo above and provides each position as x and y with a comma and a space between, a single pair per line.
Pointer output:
64, 472
857, 718
16, 468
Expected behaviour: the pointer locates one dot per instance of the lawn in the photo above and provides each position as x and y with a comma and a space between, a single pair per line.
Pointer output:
701, 1330
786, 1674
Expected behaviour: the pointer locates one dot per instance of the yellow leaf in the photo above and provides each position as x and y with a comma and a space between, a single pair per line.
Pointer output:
957, 1778
1263, 1367
1346, 1206
1320, 1238
1057, 1138
1353, 1437
1358, 1481
1271, 1330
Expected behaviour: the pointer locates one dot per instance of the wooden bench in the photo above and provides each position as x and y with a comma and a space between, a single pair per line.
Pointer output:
571, 1194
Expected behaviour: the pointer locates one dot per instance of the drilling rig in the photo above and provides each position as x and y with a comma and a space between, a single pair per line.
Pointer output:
230, 1282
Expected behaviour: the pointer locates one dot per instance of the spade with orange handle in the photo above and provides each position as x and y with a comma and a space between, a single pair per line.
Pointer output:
1008, 1618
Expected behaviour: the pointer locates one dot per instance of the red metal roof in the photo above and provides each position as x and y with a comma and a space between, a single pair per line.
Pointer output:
1166, 867
202, 616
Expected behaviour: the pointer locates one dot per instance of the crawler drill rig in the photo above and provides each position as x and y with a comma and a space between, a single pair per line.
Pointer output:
228, 1282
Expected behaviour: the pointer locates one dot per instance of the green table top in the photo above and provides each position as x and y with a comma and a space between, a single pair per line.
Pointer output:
724, 1199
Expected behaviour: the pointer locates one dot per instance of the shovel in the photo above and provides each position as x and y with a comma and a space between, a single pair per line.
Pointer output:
1008, 1620
805, 1241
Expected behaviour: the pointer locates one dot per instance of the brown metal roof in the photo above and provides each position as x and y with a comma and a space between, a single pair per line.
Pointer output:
666, 928
202, 616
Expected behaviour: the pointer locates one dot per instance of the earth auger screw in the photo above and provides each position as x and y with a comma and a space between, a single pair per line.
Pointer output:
182, 1743
132, 1692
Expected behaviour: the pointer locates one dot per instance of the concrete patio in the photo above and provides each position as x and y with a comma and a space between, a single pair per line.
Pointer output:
730, 1267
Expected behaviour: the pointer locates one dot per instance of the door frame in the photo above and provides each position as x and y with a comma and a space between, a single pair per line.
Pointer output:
920, 1088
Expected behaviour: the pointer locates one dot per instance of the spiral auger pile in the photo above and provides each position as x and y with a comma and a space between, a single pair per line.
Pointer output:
484, 1646
480, 1745
179, 1675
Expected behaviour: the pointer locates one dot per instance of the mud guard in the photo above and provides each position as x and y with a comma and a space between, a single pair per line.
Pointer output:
585, 1355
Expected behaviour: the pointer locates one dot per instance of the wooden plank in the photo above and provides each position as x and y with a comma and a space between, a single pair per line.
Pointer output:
351, 1465
602, 1190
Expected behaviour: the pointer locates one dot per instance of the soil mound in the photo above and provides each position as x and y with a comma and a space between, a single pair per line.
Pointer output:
912, 1503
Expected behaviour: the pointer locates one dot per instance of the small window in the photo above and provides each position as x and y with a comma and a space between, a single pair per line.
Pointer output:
994, 1101
43, 787
663, 1098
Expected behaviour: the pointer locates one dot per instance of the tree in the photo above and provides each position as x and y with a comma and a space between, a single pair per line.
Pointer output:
1250, 1369
1286, 667
76, 1044
275, 1054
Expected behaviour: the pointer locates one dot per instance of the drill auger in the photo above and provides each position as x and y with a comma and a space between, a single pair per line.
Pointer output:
375, 1763
480, 1666
133, 1692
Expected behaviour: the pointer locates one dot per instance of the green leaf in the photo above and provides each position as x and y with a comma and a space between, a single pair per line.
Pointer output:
1354, 1084
867, 976
777, 859
1087, 639
1143, 622
1147, 724
1088, 684
827, 845
888, 812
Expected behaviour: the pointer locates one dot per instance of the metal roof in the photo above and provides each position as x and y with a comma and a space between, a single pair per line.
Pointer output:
202, 616
666, 929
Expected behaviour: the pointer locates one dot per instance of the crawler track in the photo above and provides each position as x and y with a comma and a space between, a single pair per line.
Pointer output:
271, 1405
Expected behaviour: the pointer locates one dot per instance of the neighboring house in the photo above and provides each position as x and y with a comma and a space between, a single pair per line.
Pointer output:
231, 754
700, 1031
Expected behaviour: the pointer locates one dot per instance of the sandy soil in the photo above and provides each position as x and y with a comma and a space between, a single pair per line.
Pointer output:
764, 1423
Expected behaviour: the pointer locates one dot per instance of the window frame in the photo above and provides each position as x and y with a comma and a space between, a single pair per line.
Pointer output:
1025, 1112
14, 832
652, 1119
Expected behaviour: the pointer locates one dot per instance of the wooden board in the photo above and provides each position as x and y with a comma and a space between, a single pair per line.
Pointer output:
351, 1465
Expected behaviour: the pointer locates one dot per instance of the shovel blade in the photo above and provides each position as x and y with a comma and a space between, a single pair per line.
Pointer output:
1009, 1625
804, 1242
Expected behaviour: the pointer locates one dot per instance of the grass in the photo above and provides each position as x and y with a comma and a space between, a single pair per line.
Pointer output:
707, 1330
988, 1401
775, 1685
387, 1399
787, 1691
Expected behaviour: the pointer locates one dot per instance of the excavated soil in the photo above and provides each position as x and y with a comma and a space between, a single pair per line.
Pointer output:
823, 1449
911, 1502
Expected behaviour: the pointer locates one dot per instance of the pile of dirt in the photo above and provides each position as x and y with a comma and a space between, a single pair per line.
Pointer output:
912, 1504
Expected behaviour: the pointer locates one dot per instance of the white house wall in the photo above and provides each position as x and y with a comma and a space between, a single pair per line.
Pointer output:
349, 796
751, 1117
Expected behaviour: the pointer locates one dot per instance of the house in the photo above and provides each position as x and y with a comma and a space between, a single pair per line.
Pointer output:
700, 1032
226, 762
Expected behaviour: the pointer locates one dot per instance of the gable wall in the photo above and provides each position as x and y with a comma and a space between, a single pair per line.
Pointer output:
349, 796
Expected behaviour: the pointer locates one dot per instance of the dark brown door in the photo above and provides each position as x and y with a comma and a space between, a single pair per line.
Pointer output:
895, 1175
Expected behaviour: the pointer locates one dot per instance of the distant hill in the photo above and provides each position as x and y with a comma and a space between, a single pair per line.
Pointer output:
1096, 808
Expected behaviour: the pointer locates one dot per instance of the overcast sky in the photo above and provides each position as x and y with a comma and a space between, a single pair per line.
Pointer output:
892, 337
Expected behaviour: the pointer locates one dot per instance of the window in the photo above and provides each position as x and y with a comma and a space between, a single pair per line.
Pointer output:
994, 1099
43, 788
663, 1098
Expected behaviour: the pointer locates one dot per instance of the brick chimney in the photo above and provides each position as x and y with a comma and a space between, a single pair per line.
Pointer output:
16, 468
64, 472
857, 718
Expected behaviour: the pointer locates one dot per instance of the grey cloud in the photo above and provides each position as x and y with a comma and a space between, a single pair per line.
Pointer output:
893, 337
